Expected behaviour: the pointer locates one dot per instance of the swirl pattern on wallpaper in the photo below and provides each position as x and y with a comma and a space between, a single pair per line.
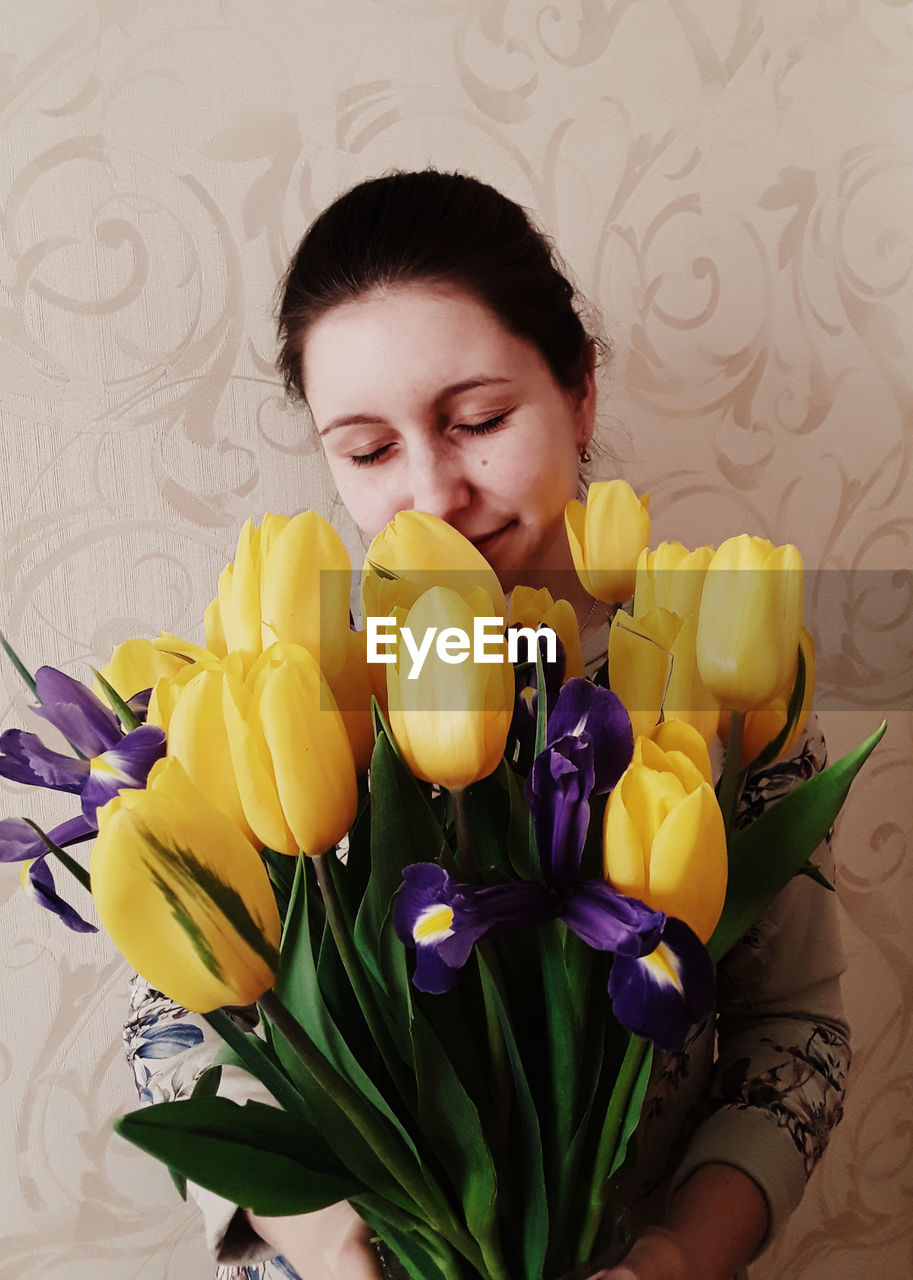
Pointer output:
731, 184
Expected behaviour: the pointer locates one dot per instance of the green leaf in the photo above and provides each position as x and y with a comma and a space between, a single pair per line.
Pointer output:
451, 1126
764, 856
796, 698
256, 1156
17, 662
128, 718
533, 1221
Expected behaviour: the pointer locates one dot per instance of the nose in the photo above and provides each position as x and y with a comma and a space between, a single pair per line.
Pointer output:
439, 484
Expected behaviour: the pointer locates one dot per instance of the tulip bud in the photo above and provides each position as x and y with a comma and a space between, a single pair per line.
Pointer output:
451, 722
749, 622
417, 551
301, 741
289, 583
188, 706
184, 896
671, 577
664, 840
606, 538
529, 608
137, 664
768, 724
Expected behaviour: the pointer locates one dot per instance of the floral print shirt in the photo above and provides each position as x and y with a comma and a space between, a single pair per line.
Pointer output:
759, 1086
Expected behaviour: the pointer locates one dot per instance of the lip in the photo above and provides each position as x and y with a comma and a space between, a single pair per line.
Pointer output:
487, 540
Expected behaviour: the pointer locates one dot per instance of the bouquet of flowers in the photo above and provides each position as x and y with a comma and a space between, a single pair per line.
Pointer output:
470, 893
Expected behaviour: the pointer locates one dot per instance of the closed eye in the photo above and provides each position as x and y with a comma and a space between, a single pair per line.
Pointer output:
471, 428
482, 428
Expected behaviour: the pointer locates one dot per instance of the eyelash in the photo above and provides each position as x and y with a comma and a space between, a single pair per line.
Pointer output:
478, 429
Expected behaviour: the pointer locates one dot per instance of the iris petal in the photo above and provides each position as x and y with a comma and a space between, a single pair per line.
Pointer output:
69, 706
126, 765
608, 921
558, 792
39, 881
19, 841
661, 995
25, 758
585, 708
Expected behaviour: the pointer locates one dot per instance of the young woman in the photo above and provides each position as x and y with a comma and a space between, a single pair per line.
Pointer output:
429, 330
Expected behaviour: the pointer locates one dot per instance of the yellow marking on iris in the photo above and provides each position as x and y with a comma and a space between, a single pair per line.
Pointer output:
434, 924
102, 765
664, 968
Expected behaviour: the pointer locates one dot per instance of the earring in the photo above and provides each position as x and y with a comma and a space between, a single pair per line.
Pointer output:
584, 456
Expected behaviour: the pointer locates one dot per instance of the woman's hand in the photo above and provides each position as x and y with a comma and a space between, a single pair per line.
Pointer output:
655, 1255
715, 1225
331, 1244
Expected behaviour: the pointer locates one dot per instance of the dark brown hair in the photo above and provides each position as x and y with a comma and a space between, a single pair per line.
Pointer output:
436, 228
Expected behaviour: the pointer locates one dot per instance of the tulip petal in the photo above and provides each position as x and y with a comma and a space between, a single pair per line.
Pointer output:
184, 895
689, 865
608, 921
38, 881
661, 995
69, 706
26, 759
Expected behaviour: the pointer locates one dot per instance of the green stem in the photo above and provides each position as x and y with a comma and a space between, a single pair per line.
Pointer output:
464, 858
351, 961
729, 782
258, 1062
397, 1159
75, 870
608, 1144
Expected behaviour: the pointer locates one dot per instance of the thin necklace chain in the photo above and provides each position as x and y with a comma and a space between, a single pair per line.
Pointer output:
589, 617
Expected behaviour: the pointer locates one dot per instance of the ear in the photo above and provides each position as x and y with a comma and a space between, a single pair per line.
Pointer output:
585, 399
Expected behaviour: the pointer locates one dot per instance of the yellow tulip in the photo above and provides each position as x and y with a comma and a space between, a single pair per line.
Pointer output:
290, 583
606, 538
640, 663
671, 577
184, 896
189, 707
290, 753
663, 835
749, 622
653, 669
417, 551
353, 689
530, 608
450, 722
763, 726
137, 664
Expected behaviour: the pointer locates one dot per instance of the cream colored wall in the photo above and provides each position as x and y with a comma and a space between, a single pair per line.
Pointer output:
731, 180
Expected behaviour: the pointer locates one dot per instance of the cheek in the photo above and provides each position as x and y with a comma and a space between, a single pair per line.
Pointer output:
363, 496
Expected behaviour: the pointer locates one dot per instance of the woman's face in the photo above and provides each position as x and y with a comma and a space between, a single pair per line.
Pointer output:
424, 400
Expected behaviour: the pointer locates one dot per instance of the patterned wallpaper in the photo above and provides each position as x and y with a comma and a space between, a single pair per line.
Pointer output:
731, 182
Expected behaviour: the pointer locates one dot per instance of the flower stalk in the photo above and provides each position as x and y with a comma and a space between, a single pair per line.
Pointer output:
729, 781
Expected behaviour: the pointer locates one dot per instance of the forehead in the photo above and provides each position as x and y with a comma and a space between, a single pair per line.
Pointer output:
414, 337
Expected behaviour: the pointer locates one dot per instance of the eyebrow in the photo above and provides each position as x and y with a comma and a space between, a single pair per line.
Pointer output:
448, 393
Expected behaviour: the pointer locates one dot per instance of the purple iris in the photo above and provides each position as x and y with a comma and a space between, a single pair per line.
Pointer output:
522, 734
108, 760
661, 980
444, 920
